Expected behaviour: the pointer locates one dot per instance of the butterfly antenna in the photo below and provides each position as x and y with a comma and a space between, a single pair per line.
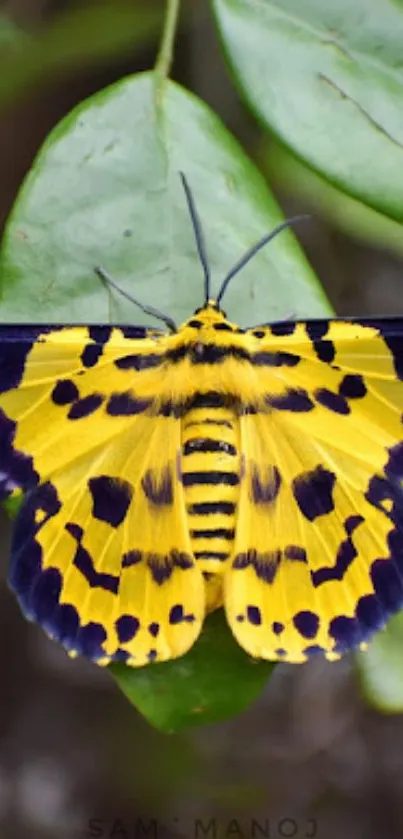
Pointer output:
253, 250
198, 231
148, 310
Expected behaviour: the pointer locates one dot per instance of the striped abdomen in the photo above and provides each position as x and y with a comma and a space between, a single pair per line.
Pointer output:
210, 474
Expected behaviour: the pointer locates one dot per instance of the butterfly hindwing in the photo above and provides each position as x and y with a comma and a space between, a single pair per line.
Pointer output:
318, 553
101, 554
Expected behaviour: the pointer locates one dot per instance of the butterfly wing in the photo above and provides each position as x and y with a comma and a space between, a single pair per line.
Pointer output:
318, 556
101, 555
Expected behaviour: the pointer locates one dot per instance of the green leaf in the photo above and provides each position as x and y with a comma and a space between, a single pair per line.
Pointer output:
105, 189
354, 218
381, 668
327, 79
81, 36
214, 681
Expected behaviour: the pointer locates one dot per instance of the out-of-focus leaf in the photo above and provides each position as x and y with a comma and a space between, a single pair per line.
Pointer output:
289, 174
327, 79
381, 668
81, 36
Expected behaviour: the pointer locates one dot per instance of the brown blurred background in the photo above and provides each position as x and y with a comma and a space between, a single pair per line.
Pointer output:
309, 758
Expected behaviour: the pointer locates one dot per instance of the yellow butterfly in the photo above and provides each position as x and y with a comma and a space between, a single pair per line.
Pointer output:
169, 472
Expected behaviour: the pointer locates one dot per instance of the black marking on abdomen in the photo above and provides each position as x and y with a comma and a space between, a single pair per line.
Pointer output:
158, 488
210, 477
206, 444
208, 508
220, 555
209, 421
213, 533
111, 498
83, 562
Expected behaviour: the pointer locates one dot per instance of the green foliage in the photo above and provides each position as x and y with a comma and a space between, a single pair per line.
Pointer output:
327, 79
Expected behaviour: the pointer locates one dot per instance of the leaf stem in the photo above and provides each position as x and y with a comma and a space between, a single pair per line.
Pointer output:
165, 54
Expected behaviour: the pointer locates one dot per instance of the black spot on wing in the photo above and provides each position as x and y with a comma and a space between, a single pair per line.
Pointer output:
346, 632
134, 332
127, 627
111, 498
387, 584
131, 558
162, 566
286, 327
307, 623
126, 404
335, 402
313, 492
177, 614
158, 488
89, 640
26, 553
295, 553
16, 342
64, 625
317, 329
84, 563
277, 627
352, 387
44, 594
369, 613
253, 615
265, 564
265, 489
391, 331
138, 361
16, 468
296, 400
345, 556
64, 392
86, 406
92, 352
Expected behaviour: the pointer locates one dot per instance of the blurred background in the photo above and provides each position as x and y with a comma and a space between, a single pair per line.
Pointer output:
309, 758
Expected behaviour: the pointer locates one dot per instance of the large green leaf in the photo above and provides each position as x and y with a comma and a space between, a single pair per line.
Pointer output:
381, 668
215, 680
327, 78
105, 189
